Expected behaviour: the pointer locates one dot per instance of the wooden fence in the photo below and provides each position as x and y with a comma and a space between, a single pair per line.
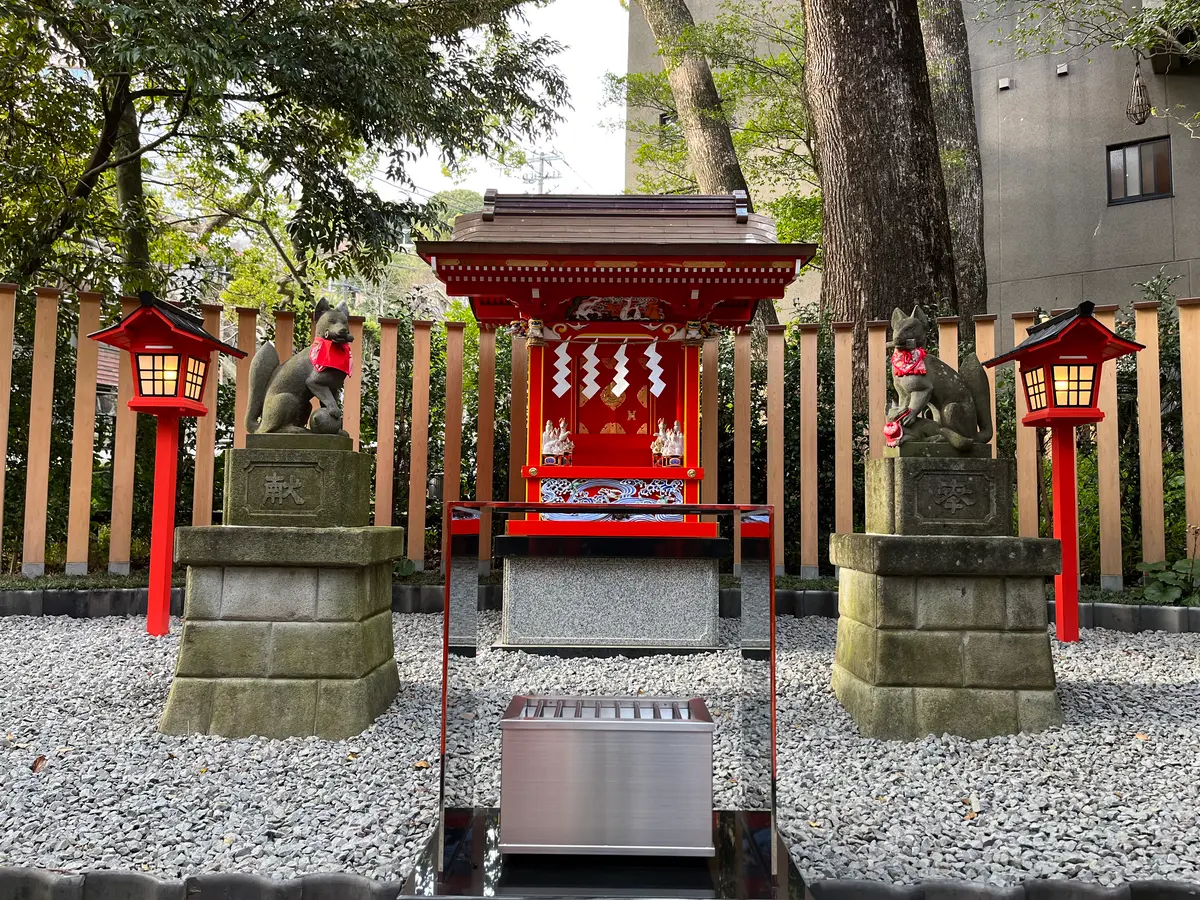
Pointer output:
49, 301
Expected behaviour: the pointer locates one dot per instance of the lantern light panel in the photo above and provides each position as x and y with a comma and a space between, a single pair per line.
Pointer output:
1074, 385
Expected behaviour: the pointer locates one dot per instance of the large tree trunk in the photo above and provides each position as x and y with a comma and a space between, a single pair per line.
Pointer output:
886, 236
702, 119
949, 66
131, 205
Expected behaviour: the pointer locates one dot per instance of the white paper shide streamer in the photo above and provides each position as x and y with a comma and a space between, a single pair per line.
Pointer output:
562, 369
591, 372
621, 379
654, 365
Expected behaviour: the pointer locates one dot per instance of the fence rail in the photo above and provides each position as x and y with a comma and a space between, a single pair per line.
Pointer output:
824, 473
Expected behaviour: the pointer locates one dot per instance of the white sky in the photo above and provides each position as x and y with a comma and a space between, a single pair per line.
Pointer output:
594, 34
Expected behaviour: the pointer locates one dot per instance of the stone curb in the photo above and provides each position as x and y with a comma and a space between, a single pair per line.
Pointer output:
121, 885
427, 598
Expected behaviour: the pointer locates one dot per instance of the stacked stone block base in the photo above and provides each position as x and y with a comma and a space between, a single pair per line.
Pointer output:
287, 631
940, 634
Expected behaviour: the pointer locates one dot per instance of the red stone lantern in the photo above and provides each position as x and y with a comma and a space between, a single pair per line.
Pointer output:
1059, 366
171, 354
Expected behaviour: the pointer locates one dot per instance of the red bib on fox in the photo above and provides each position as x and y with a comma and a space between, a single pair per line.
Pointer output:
908, 362
327, 354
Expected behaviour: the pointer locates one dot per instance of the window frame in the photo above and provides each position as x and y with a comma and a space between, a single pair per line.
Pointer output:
1138, 143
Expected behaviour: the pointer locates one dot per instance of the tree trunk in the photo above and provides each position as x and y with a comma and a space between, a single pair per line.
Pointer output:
886, 234
949, 66
702, 119
131, 205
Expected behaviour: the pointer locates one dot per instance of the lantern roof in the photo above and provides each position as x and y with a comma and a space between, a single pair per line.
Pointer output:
183, 323
1071, 333
675, 258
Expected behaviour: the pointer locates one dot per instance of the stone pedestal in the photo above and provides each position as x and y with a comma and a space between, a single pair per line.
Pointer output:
588, 592
942, 632
287, 631
313, 481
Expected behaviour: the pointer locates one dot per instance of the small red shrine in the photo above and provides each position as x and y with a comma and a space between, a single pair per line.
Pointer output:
615, 295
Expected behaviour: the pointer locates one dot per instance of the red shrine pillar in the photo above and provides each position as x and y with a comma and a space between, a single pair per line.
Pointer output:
691, 421
534, 424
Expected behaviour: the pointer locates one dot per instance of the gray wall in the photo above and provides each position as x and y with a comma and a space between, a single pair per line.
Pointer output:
1051, 238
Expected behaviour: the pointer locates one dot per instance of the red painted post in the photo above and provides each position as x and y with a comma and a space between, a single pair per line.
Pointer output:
1066, 584
162, 533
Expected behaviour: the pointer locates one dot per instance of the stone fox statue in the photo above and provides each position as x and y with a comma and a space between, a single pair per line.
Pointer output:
958, 401
281, 395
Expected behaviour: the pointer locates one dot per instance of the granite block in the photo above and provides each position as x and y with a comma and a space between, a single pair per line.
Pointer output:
317, 650
1025, 604
269, 593
882, 713
911, 658
346, 707
896, 599
756, 603
1007, 660
1038, 710
973, 713
224, 545
856, 597
598, 601
295, 486
464, 600
967, 603
341, 594
189, 706
855, 650
899, 554
266, 707
202, 595
220, 649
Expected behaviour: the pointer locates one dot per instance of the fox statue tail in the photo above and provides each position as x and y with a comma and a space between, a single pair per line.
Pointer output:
264, 366
976, 380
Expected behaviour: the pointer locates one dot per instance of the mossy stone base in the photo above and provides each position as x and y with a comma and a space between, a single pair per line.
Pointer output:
962, 650
278, 648
958, 495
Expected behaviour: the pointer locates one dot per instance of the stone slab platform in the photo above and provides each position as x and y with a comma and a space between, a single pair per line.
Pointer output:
287, 631
934, 495
610, 602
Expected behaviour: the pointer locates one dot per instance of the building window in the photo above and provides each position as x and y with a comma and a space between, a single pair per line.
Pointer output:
1140, 171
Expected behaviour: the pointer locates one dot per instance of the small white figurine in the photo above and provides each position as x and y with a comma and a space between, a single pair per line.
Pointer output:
658, 445
549, 440
566, 446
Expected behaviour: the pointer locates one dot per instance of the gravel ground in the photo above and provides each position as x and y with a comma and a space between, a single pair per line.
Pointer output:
1111, 796
84, 696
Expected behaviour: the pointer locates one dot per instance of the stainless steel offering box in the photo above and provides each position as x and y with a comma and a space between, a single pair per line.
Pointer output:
606, 775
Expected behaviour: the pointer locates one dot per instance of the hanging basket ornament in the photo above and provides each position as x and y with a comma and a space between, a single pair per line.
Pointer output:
1138, 110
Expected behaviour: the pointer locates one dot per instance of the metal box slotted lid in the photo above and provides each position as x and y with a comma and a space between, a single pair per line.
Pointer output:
617, 713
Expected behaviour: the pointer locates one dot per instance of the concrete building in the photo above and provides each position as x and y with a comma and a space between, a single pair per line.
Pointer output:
1079, 202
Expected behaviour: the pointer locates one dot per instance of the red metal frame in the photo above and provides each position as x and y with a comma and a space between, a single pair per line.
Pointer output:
572, 528
691, 509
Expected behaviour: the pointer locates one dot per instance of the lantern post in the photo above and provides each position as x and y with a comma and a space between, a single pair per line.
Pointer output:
172, 357
1059, 366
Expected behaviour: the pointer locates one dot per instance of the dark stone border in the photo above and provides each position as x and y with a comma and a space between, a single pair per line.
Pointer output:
427, 598
123, 885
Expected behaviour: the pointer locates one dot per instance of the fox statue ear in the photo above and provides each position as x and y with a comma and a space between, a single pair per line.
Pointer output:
919, 315
897, 318
321, 308
343, 308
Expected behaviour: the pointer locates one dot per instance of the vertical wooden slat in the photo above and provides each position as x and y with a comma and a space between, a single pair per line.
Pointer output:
985, 349
775, 429
8, 308
83, 435
352, 388
809, 567
709, 428
206, 427
876, 384
418, 466
1149, 413
517, 408
37, 459
1027, 457
1189, 370
247, 341
843, 426
948, 340
741, 433
385, 452
1108, 468
485, 444
120, 534
452, 454
285, 333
